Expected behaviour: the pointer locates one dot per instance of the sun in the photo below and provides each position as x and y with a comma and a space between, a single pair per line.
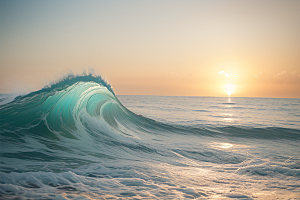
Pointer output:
229, 87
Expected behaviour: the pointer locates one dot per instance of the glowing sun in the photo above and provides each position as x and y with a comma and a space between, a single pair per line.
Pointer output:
229, 88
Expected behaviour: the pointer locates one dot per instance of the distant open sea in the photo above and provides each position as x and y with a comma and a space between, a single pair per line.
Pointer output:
77, 140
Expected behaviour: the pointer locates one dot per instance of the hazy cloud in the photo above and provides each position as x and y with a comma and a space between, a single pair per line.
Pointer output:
171, 73
223, 73
260, 73
280, 74
285, 77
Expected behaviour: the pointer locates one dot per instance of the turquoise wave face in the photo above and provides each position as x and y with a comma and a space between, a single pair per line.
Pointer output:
58, 100
78, 120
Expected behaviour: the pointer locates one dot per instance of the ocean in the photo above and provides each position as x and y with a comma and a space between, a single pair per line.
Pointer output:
76, 139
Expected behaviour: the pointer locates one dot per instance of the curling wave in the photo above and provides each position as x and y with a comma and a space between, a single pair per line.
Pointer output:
77, 120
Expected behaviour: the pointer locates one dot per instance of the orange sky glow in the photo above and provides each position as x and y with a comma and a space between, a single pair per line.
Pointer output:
181, 48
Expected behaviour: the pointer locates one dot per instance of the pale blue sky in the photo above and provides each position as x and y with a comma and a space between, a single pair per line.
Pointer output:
153, 47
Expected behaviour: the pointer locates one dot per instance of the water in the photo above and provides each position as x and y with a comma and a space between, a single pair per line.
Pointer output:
217, 111
76, 140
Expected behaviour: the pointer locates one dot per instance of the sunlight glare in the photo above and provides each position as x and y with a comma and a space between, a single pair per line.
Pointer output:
222, 145
229, 88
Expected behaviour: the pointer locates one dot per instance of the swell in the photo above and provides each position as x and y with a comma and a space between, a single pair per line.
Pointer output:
268, 133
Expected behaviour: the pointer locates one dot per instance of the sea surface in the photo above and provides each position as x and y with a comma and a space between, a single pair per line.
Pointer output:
76, 139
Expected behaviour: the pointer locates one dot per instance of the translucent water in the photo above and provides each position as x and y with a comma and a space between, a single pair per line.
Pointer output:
76, 140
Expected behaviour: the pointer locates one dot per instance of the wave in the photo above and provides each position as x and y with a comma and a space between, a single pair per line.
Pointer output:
77, 120
66, 105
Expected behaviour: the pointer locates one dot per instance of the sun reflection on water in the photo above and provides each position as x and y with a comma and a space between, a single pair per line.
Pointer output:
222, 145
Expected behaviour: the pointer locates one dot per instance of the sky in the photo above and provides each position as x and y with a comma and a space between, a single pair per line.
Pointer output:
248, 48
